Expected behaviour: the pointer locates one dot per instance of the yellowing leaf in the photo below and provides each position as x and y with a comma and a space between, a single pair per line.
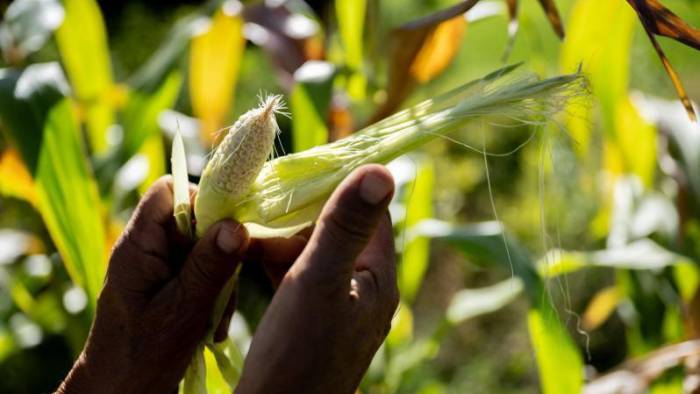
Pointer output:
601, 307
82, 43
41, 124
438, 50
420, 50
15, 180
351, 18
637, 141
215, 61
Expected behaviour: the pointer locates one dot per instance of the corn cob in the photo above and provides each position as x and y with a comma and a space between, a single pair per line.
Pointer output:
236, 163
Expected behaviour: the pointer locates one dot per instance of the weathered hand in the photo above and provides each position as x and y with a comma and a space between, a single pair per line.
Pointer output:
334, 306
156, 303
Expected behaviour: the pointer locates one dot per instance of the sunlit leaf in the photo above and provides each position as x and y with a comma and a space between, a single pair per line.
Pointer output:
310, 103
401, 327
469, 303
26, 26
351, 26
224, 371
15, 180
687, 276
215, 61
643, 254
7, 344
140, 117
41, 123
154, 153
182, 209
82, 43
558, 359
601, 306
418, 200
420, 50
658, 19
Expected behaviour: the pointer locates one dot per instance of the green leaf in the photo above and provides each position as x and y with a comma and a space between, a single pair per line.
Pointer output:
40, 122
559, 362
140, 117
469, 303
82, 43
351, 25
229, 362
418, 201
181, 193
27, 25
149, 77
309, 102
558, 359
643, 254
487, 244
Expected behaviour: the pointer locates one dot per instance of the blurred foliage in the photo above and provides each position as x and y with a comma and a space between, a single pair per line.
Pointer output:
599, 262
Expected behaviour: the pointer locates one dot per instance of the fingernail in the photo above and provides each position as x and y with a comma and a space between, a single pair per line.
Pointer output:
228, 240
374, 189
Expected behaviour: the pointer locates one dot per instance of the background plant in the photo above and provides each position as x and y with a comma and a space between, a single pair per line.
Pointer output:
601, 206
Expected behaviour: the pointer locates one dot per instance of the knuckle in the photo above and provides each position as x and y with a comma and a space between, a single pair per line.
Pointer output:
343, 228
201, 277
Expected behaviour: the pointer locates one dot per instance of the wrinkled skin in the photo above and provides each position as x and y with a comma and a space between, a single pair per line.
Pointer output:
336, 294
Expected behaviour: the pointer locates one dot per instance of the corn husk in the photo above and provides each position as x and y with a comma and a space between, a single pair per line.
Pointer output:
290, 191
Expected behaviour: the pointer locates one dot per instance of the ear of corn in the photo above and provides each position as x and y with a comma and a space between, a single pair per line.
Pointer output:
236, 163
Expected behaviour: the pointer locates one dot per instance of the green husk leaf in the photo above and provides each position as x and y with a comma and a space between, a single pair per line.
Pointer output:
195, 381
181, 193
292, 189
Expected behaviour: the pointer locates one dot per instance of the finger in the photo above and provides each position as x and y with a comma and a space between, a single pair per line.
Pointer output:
213, 260
346, 224
148, 227
376, 268
141, 259
222, 330
276, 255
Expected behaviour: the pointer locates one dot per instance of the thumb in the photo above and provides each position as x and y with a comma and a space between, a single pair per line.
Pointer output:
213, 260
347, 222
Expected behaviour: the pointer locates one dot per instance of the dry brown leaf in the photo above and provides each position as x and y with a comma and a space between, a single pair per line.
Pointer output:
550, 9
664, 22
339, 118
659, 20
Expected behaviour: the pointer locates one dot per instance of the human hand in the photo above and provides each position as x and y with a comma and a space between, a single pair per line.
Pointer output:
333, 308
156, 302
